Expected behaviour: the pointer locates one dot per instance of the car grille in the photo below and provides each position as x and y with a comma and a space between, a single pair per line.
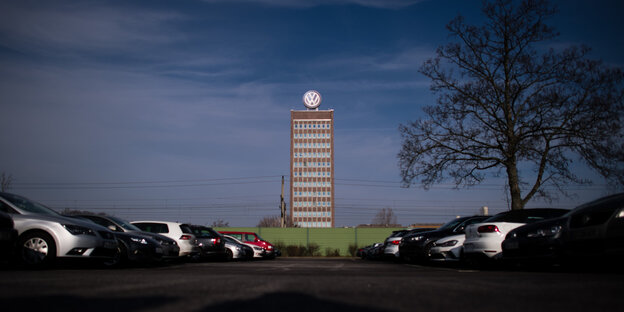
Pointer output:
103, 252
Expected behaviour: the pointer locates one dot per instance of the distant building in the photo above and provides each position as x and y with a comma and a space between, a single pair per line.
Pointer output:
312, 164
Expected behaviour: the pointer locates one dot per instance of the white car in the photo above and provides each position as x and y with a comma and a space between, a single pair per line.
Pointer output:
258, 252
180, 232
483, 240
44, 234
447, 248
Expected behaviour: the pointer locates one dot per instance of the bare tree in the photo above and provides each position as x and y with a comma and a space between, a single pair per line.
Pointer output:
275, 221
507, 106
385, 217
5, 182
220, 223
272, 221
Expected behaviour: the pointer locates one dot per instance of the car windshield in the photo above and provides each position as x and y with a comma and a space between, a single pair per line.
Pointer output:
451, 224
125, 224
28, 205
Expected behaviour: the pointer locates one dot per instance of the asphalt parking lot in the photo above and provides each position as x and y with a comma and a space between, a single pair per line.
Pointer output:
307, 284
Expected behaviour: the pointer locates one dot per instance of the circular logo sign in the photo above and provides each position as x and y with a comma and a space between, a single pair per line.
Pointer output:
312, 99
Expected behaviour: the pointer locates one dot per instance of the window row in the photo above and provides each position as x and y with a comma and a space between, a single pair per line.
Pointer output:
312, 184
312, 164
312, 194
311, 125
314, 224
311, 136
312, 214
311, 204
312, 145
306, 174
311, 155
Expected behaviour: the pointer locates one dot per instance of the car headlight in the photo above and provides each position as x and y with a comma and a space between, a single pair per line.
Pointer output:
416, 238
257, 248
545, 232
78, 230
139, 240
450, 243
620, 213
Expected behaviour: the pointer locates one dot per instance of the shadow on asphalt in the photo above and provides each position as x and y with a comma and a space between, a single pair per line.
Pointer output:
34, 302
287, 301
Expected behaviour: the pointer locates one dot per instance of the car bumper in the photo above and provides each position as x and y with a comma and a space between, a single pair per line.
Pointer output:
488, 248
445, 253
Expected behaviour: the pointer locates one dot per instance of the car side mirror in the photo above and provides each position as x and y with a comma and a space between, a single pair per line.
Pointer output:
460, 229
113, 228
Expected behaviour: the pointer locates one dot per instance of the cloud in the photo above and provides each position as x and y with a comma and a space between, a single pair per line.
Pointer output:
77, 27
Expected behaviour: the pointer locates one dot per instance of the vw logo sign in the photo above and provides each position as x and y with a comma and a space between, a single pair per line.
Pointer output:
312, 99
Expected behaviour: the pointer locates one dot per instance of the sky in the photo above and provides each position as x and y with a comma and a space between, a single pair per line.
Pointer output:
180, 110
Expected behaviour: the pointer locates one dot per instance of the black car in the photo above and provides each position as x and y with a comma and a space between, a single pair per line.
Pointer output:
591, 231
415, 247
211, 242
8, 236
135, 244
373, 251
534, 242
391, 244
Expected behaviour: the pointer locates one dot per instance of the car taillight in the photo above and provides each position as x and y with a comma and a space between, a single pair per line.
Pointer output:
217, 240
490, 228
395, 242
185, 237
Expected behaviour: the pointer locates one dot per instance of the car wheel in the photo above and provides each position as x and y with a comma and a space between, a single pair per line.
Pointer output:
36, 249
228, 255
120, 258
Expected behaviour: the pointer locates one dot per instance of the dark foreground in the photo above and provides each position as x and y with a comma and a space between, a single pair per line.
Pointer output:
307, 284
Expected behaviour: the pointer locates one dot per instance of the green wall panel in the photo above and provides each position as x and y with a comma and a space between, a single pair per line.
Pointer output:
334, 238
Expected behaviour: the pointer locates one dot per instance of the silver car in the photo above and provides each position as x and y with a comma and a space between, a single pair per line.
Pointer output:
44, 234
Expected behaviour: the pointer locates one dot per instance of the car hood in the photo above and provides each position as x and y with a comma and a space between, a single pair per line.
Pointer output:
59, 219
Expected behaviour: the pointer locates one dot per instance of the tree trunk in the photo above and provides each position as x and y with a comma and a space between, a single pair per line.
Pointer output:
514, 186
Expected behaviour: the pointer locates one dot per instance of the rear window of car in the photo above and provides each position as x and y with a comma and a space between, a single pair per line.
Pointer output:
153, 227
186, 229
202, 232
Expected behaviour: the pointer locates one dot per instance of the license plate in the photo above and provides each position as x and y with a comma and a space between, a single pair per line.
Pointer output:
110, 245
512, 245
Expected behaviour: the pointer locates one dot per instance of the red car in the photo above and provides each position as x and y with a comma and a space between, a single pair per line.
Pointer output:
253, 239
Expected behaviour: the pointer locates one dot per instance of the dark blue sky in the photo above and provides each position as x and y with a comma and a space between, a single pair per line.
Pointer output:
179, 110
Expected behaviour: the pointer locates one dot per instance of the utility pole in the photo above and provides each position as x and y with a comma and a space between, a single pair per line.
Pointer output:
283, 206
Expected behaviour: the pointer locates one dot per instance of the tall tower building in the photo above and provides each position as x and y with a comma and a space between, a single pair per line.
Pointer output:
312, 164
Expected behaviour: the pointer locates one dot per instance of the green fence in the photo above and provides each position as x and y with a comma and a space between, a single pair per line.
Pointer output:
336, 238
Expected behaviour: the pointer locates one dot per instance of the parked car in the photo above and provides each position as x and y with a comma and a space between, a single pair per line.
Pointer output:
416, 246
236, 250
211, 242
483, 240
594, 230
391, 244
254, 239
181, 233
45, 235
136, 245
448, 248
8, 236
371, 252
